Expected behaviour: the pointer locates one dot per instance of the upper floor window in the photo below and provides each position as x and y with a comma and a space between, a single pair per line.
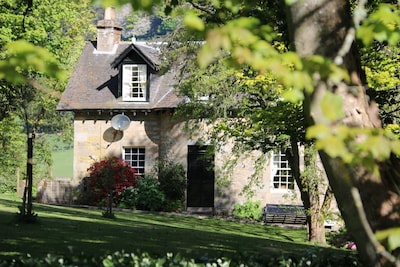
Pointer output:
134, 82
282, 179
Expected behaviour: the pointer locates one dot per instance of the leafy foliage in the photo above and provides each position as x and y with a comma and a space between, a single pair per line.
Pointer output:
250, 210
12, 155
383, 75
244, 106
341, 141
149, 194
109, 175
128, 198
383, 25
143, 26
172, 178
173, 184
311, 257
146, 5
166, 193
294, 73
39, 44
22, 56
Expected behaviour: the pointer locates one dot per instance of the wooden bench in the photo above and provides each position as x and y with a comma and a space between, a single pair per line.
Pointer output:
284, 214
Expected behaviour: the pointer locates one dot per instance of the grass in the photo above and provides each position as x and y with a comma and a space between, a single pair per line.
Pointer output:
84, 230
62, 163
62, 155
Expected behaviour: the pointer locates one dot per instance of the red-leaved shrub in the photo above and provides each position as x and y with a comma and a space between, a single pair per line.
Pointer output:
108, 176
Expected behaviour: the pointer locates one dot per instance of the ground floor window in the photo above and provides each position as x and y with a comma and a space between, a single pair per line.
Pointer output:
282, 178
136, 158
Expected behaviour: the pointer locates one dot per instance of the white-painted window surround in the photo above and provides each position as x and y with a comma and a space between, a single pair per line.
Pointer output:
134, 82
135, 156
282, 179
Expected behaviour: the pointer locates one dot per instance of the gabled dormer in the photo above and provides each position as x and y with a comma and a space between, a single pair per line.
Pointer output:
135, 66
114, 75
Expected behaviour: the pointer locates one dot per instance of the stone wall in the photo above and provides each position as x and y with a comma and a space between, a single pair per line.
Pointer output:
164, 138
95, 139
58, 191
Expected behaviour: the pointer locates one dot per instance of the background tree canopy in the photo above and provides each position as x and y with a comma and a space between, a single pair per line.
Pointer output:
323, 71
40, 42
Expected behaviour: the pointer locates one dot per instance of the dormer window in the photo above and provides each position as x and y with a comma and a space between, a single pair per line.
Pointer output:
134, 82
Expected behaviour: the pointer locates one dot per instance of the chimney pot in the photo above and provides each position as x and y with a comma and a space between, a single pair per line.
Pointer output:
109, 13
108, 32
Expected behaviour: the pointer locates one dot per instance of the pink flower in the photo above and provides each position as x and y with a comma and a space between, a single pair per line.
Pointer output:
351, 246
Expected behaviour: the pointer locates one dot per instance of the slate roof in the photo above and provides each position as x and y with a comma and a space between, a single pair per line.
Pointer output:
93, 84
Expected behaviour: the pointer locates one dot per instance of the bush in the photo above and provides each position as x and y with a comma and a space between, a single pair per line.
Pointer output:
7, 184
339, 239
167, 193
172, 180
109, 175
149, 194
312, 257
250, 210
173, 205
128, 198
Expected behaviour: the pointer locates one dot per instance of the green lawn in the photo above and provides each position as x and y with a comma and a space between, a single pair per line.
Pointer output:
62, 163
62, 155
85, 230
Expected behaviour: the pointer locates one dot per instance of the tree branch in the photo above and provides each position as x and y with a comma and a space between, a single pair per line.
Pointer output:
359, 15
379, 249
27, 10
207, 9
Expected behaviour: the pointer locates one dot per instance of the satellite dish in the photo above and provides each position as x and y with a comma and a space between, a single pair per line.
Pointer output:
111, 135
120, 122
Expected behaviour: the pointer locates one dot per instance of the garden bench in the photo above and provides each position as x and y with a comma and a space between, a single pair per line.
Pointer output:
284, 214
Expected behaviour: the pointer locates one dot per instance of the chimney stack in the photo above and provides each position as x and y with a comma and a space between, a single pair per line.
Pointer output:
108, 32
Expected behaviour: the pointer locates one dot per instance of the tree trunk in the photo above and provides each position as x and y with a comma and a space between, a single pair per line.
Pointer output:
27, 201
310, 196
320, 28
316, 229
316, 184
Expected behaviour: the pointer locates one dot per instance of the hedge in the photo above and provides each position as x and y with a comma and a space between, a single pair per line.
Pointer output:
313, 257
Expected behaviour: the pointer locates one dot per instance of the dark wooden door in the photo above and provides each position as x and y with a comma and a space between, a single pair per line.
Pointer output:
200, 189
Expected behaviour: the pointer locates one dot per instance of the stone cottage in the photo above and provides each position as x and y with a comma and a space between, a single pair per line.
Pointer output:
114, 77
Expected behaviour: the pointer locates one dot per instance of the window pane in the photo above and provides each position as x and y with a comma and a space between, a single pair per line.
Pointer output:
134, 82
282, 175
136, 158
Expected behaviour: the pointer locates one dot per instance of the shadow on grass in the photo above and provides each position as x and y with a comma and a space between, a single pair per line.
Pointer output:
84, 230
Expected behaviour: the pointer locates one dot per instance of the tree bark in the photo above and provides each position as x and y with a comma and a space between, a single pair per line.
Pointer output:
310, 196
316, 186
319, 28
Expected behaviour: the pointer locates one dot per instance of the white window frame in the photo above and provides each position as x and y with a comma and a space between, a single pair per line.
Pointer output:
134, 82
136, 157
282, 180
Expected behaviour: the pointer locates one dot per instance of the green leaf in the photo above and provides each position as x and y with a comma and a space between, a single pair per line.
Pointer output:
382, 25
334, 147
332, 106
290, 2
379, 146
192, 21
23, 57
107, 262
394, 241
318, 131
395, 146
391, 236
293, 96
366, 34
